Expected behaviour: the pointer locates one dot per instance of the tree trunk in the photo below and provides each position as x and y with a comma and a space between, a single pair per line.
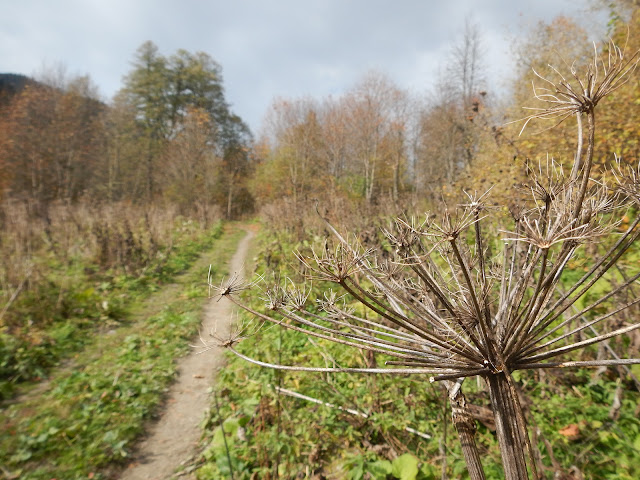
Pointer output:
230, 197
150, 185
510, 434
396, 179
466, 427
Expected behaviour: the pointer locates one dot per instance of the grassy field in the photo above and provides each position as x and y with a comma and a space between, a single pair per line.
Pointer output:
84, 421
405, 432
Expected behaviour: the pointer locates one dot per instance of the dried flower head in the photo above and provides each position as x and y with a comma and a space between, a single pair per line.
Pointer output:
569, 94
228, 286
336, 265
627, 178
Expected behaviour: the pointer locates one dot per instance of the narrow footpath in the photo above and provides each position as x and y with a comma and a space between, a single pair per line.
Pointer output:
173, 439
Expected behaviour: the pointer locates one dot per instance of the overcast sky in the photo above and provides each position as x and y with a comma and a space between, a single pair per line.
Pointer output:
267, 48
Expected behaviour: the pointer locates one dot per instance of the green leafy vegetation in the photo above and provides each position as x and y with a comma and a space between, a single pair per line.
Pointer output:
69, 300
85, 422
268, 431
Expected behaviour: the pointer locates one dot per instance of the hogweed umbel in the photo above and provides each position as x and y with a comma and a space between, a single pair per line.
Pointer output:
441, 304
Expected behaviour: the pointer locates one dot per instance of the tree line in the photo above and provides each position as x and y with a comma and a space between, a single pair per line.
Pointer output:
168, 135
382, 147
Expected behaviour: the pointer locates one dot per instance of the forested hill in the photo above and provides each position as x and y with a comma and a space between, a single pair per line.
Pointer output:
12, 83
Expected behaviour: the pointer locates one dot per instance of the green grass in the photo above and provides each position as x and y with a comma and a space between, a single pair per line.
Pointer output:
296, 436
86, 423
77, 301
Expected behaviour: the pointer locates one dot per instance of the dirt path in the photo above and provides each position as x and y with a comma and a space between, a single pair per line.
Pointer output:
172, 441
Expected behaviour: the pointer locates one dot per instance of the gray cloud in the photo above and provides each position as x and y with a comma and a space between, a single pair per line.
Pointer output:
267, 49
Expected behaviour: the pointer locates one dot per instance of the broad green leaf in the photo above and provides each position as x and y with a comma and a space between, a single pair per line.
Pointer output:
379, 469
405, 467
231, 425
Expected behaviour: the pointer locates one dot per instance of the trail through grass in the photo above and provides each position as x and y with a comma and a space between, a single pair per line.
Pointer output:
85, 423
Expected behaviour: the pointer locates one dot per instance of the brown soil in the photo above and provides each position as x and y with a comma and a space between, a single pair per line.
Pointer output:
172, 441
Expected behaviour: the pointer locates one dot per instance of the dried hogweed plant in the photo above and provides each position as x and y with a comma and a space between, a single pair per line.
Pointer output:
445, 307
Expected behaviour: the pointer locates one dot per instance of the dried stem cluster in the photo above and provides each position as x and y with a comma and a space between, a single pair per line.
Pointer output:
445, 306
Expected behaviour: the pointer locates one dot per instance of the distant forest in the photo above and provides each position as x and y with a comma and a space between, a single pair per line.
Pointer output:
169, 135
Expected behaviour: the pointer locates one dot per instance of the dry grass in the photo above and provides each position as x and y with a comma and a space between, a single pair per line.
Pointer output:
122, 237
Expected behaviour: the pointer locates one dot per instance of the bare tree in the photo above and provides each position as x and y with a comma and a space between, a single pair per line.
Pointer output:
449, 135
376, 115
465, 69
445, 308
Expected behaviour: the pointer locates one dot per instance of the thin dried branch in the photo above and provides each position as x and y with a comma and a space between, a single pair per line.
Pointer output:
394, 371
574, 94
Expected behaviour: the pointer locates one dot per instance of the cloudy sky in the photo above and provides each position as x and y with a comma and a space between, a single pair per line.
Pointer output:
267, 48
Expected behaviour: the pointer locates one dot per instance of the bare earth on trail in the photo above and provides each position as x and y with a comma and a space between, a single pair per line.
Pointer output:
172, 441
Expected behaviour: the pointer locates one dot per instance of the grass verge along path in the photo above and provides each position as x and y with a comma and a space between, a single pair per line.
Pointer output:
173, 440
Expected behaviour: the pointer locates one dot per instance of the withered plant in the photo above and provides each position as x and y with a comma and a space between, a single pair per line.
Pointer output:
446, 307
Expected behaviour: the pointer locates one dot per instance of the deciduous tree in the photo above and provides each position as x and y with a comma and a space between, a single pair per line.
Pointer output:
454, 117
52, 140
162, 91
